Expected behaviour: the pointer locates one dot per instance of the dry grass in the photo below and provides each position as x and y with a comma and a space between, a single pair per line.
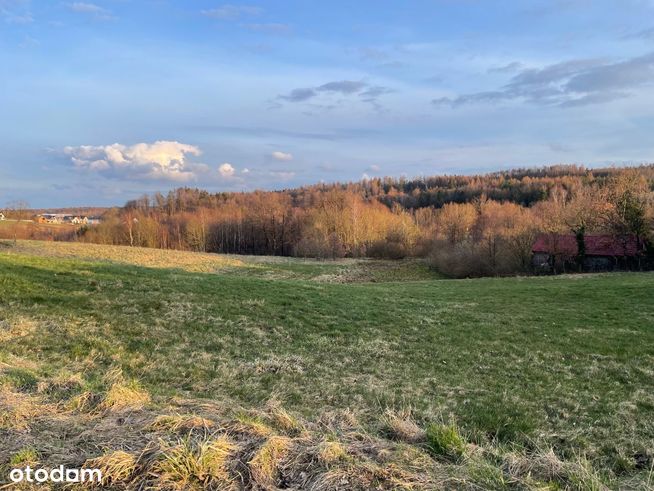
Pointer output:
116, 467
265, 464
181, 423
191, 464
123, 396
138, 256
401, 425
331, 452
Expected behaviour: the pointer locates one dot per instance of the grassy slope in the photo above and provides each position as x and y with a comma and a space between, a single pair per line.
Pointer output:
561, 361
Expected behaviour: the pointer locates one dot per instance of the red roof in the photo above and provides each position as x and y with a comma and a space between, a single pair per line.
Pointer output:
596, 245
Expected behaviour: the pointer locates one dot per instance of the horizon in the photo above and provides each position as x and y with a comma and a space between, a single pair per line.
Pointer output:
334, 183
108, 100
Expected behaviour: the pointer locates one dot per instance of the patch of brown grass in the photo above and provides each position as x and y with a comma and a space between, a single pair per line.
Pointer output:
116, 467
265, 464
180, 423
401, 426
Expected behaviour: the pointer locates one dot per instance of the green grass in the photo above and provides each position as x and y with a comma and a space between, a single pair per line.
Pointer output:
563, 362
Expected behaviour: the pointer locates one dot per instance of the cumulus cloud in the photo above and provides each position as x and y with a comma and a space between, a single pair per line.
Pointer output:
282, 156
232, 12
226, 170
161, 160
367, 92
571, 83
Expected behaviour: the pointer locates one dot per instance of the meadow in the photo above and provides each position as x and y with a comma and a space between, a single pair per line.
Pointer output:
180, 370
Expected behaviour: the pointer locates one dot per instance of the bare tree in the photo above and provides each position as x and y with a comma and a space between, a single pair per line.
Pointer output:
19, 212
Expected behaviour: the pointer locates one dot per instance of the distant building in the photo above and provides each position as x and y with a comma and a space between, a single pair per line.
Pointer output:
557, 252
2, 216
61, 218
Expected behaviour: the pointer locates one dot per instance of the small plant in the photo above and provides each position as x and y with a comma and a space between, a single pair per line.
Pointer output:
24, 456
445, 440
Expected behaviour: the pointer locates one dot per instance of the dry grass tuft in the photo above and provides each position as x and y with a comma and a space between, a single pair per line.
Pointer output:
265, 464
330, 452
116, 467
191, 464
180, 423
122, 394
252, 425
283, 420
401, 426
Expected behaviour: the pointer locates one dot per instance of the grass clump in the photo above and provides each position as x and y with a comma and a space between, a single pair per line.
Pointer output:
192, 464
264, 466
26, 455
445, 440
116, 467
331, 452
123, 394
401, 426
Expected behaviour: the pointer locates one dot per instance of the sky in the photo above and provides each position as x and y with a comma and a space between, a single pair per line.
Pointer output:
102, 101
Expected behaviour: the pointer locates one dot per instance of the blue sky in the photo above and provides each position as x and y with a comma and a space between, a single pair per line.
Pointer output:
102, 101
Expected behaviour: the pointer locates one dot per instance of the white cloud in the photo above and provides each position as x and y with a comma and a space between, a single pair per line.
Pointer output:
165, 160
91, 9
226, 170
245, 171
374, 168
282, 156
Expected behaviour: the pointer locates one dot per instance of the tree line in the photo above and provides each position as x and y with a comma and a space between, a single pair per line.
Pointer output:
465, 225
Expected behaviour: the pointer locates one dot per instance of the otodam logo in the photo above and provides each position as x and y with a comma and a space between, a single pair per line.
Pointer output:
59, 474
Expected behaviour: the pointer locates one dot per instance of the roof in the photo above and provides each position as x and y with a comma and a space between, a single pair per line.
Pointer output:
596, 245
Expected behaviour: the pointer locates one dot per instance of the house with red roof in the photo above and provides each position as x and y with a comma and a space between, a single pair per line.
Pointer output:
559, 252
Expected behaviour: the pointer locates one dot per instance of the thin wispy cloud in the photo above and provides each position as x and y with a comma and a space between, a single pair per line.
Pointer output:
568, 84
366, 92
232, 12
269, 27
16, 11
92, 9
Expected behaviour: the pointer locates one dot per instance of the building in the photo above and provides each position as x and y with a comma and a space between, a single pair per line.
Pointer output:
559, 253
2, 216
61, 218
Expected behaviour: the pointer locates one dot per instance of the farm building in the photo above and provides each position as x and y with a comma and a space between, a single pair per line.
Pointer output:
557, 252
2, 216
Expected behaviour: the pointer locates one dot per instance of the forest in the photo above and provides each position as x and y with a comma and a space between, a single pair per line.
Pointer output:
465, 225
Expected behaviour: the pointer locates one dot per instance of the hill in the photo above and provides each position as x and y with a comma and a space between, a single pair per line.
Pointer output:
181, 370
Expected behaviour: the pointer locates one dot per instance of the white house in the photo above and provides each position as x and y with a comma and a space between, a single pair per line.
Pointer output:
2, 217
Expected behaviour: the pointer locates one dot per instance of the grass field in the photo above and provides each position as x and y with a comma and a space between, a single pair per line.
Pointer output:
351, 374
